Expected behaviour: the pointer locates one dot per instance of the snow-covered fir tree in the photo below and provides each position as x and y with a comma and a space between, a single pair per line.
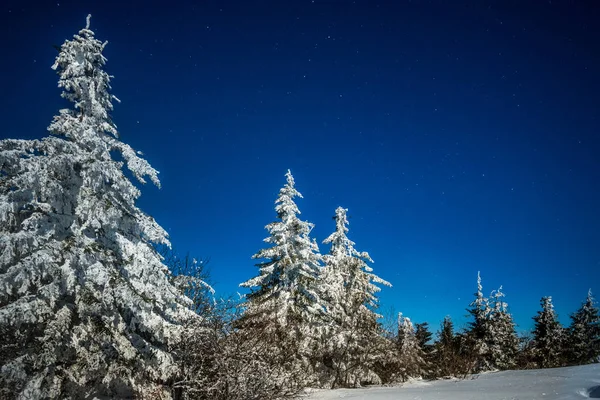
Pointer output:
412, 358
504, 343
584, 333
479, 333
350, 288
86, 306
285, 291
348, 273
548, 336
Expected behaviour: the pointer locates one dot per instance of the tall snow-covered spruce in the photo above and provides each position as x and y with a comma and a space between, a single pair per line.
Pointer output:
491, 336
285, 291
350, 290
412, 358
548, 336
86, 306
584, 333
504, 343
479, 333
347, 276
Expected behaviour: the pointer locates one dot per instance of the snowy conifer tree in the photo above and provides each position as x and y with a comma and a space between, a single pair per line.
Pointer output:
348, 274
479, 331
584, 333
412, 357
548, 336
446, 334
86, 307
504, 343
423, 336
446, 350
350, 289
286, 287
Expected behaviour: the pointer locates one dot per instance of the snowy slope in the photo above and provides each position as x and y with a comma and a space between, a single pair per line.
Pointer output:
547, 384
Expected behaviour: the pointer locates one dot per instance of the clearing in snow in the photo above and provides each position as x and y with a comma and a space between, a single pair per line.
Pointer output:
582, 382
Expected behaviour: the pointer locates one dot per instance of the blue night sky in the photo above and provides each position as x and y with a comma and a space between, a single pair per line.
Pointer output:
461, 135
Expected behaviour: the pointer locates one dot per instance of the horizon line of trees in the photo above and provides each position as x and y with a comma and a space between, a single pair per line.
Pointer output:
94, 303
490, 342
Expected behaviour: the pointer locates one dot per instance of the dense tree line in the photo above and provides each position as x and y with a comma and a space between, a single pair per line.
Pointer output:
490, 342
95, 303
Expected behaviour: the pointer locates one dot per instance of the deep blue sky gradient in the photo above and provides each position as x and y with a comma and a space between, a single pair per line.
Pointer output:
461, 135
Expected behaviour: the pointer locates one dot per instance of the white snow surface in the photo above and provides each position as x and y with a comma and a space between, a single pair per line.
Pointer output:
569, 383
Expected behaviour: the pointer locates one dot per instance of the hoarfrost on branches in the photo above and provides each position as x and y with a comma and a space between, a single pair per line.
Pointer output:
352, 340
548, 336
287, 280
584, 333
492, 338
503, 340
86, 306
412, 357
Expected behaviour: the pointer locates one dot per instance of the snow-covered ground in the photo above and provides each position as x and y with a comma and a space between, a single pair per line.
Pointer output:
547, 384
